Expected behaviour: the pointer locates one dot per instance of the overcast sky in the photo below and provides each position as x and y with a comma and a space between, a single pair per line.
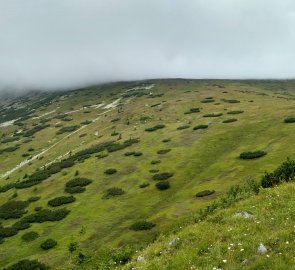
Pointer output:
50, 44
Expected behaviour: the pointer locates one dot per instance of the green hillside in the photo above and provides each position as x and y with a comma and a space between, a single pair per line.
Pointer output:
90, 168
230, 238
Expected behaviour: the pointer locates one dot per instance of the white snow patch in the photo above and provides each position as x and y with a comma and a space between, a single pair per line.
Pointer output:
113, 104
8, 123
44, 114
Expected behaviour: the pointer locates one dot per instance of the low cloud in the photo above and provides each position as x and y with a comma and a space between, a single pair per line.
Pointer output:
57, 44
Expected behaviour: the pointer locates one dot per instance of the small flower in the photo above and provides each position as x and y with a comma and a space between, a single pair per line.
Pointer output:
224, 261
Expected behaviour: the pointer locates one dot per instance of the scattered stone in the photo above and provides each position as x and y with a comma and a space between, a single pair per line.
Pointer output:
245, 262
261, 249
140, 258
173, 242
243, 214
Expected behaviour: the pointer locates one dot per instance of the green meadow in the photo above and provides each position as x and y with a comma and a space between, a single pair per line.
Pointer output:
146, 131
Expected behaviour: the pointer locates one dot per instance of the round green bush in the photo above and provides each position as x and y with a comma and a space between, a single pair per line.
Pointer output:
34, 199
154, 170
212, 115
77, 185
153, 162
129, 153
163, 151
48, 244
112, 192
205, 193
289, 120
192, 110
235, 112
78, 182
73, 190
154, 128
30, 236
231, 120
144, 185
200, 127
61, 200
252, 155
163, 185
162, 176
142, 225
110, 171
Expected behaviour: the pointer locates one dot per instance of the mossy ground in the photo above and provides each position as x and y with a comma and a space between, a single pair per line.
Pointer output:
199, 159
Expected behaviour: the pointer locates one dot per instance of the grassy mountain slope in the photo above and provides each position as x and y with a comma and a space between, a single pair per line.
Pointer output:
227, 241
202, 159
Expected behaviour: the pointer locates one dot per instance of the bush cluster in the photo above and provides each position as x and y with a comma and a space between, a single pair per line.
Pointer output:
13, 209
144, 185
192, 110
48, 244
162, 176
163, 151
153, 170
41, 175
86, 122
205, 193
163, 185
34, 130
200, 127
8, 149
110, 171
34, 199
115, 120
155, 105
45, 215
289, 120
7, 232
112, 192
284, 173
61, 200
252, 155
154, 162
230, 120
9, 139
212, 115
235, 112
38, 217
77, 185
30, 236
142, 225
154, 128
67, 129
231, 100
